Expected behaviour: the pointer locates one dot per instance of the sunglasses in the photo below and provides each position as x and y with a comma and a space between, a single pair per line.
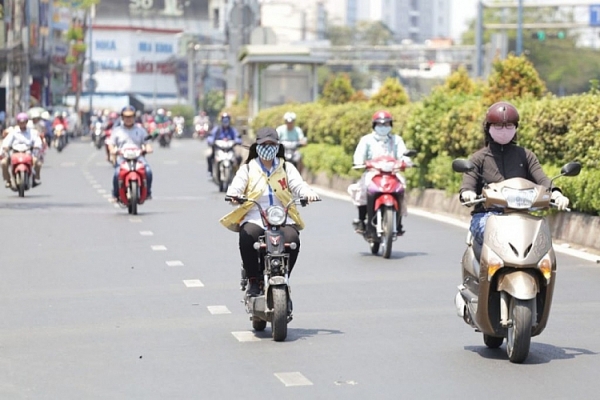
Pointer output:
508, 125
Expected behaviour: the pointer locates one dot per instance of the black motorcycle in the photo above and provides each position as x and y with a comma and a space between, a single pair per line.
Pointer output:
274, 303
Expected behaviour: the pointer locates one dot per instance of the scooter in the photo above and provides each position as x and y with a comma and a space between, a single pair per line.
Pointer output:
201, 131
292, 152
98, 135
274, 304
60, 137
508, 282
20, 171
164, 134
224, 163
385, 194
132, 184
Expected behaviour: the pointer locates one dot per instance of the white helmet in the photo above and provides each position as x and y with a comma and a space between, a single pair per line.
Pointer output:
289, 116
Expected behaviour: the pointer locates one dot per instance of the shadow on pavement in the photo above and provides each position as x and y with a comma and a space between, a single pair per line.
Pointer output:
539, 353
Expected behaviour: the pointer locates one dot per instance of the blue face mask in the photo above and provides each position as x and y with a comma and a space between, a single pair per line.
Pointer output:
267, 152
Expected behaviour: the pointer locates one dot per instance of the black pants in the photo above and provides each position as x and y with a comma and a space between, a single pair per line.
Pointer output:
249, 234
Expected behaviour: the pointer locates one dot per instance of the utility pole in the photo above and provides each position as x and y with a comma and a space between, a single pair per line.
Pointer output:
92, 83
479, 40
520, 28
192, 48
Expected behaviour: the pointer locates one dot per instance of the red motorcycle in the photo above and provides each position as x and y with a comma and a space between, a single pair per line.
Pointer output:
21, 165
385, 194
132, 185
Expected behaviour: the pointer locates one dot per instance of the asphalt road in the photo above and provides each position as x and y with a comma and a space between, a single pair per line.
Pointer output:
96, 304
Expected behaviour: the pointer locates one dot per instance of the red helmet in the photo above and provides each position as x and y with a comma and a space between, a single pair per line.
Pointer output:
113, 115
502, 112
382, 117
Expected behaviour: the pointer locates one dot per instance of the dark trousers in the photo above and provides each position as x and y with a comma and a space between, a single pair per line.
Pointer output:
249, 234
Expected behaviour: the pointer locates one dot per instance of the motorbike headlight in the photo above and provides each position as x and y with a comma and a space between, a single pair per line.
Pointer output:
388, 166
276, 215
519, 198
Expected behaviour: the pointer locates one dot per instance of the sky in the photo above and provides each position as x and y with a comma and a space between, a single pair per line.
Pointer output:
462, 11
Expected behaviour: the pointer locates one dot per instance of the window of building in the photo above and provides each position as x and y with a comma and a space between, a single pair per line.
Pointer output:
216, 18
414, 21
414, 5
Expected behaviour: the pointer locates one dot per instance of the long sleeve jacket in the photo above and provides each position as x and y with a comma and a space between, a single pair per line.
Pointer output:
495, 163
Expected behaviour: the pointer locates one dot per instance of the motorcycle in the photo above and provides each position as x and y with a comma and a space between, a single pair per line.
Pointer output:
164, 135
98, 135
387, 193
274, 304
224, 163
179, 129
20, 171
59, 137
508, 282
132, 185
292, 152
201, 131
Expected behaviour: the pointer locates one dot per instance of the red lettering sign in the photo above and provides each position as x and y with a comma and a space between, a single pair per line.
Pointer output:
283, 183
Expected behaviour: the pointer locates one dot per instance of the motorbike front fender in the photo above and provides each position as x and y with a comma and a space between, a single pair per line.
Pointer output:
386, 200
277, 280
519, 284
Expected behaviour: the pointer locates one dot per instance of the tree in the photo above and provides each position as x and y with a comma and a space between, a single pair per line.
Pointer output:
372, 33
338, 90
513, 78
390, 94
76, 37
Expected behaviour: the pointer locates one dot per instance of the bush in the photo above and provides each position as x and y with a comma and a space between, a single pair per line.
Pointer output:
185, 111
512, 78
329, 159
390, 94
337, 90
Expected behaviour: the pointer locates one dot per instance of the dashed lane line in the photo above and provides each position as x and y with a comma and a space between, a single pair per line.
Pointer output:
218, 310
193, 283
158, 247
174, 263
293, 379
246, 336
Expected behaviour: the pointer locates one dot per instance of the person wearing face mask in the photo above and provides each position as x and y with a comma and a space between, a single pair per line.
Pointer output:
380, 142
17, 135
270, 180
501, 158
221, 132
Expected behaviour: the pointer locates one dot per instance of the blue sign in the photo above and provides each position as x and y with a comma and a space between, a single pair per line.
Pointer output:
594, 14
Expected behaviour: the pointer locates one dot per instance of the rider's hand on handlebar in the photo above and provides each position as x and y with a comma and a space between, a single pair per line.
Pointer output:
561, 201
312, 196
468, 196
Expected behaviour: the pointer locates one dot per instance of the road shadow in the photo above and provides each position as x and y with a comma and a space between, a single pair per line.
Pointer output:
539, 353
396, 255
28, 206
298, 334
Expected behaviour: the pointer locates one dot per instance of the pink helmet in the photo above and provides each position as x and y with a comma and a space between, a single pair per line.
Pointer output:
22, 117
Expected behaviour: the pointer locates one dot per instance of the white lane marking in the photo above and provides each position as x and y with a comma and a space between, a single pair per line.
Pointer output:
67, 164
245, 336
340, 383
193, 283
101, 191
293, 379
175, 263
159, 247
215, 310
146, 233
96, 186
133, 219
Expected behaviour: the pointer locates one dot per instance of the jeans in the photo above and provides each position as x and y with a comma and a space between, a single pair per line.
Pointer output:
116, 176
478, 222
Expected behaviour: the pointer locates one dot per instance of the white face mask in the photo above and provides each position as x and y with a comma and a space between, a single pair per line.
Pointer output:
382, 130
502, 135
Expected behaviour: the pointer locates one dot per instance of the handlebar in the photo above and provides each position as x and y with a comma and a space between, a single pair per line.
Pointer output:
303, 201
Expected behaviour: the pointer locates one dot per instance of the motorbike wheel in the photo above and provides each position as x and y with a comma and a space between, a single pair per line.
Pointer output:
492, 342
519, 334
388, 231
258, 324
21, 183
225, 179
60, 145
133, 197
280, 313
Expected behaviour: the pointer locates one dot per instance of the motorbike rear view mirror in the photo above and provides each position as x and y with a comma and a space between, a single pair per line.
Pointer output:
571, 169
462, 166
410, 153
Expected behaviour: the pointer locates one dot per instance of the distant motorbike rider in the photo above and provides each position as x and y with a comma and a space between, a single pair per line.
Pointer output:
221, 132
267, 178
39, 125
501, 159
201, 119
378, 143
289, 131
129, 133
22, 134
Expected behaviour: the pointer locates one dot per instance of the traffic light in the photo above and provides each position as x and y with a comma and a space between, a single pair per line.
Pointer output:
543, 35
539, 35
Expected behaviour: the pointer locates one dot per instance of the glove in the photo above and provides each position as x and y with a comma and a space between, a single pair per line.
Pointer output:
312, 196
468, 196
562, 202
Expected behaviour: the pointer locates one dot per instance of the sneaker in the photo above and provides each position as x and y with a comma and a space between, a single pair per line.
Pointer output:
36, 182
149, 197
400, 231
359, 226
6, 184
253, 287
